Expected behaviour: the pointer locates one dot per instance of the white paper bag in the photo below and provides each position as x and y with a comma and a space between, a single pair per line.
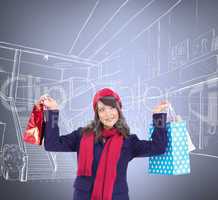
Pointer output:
191, 146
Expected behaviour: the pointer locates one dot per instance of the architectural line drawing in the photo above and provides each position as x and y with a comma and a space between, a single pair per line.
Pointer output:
156, 20
121, 29
152, 61
2, 126
191, 63
15, 73
37, 163
185, 88
103, 28
112, 55
204, 155
115, 52
83, 26
51, 54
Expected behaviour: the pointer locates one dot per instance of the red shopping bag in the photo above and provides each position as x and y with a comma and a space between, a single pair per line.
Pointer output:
33, 133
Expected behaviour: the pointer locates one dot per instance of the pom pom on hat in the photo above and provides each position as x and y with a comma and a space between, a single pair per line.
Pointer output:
103, 93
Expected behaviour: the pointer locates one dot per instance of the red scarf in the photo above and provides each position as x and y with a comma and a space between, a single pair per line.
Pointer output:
107, 167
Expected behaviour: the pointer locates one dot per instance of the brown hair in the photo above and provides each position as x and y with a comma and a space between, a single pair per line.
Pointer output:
96, 125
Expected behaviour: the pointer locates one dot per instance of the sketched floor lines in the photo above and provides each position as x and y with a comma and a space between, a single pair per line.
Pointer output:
204, 155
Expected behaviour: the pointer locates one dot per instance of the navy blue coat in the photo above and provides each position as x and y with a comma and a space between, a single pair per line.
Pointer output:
132, 147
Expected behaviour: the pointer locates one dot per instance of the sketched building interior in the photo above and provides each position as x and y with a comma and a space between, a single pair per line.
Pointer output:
153, 62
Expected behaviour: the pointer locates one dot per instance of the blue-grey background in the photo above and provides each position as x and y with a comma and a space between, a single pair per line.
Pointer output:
147, 50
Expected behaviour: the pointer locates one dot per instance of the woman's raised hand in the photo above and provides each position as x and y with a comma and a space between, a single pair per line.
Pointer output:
161, 107
47, 102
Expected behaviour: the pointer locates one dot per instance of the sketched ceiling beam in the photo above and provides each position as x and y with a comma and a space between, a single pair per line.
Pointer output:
51, 54
121, 29
103, 28
140, 33
83, 27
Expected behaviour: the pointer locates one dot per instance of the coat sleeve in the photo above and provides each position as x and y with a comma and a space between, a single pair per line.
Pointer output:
52, 139
145, 148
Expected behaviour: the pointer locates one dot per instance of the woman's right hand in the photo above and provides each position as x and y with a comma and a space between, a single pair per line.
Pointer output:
47, 102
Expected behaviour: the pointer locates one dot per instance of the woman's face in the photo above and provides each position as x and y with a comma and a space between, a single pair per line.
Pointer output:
107, 115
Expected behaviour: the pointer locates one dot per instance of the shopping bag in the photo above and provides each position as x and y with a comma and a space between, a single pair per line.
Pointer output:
178, 118
33, 133
175, 160
191, 146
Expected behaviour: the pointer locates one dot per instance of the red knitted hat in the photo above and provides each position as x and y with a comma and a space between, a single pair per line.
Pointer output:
105, 92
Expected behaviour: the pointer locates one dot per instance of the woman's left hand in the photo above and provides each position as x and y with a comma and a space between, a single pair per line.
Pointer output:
161, 107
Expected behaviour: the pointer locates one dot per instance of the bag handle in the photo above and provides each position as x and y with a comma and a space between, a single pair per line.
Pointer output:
171, 115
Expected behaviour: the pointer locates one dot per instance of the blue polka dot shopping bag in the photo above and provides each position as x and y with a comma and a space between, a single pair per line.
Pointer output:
175, 161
